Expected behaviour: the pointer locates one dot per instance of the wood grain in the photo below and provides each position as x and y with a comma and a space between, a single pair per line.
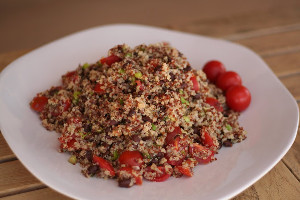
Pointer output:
6, 58
38, 195
5, 152
15, 179
292, 83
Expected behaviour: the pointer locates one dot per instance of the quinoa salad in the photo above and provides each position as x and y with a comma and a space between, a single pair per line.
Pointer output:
140, 113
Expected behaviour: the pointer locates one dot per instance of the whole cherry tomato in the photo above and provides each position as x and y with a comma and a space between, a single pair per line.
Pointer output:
213, 69
131, 158
228, 79
238, 98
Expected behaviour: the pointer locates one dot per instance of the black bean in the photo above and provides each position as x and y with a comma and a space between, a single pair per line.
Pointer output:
187, 68
89, 155
227, 143
183, 85
107, 116
197, 96
108, 129
163, 108
93, 169
160, 155
113, 122
146, 138
87, 127
173, 77
136, 138
124, 182
145, 118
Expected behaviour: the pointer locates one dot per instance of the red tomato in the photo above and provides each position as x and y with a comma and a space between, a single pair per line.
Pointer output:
104, 164
238, 98
131, 158
98, 89
213, 69
185, 170
134, 173
38, 103
208, 141
177, 151
215, 103
170, 137
195, 83
140, 85
228, 79
202, 154
65, 143
159, 176
70, 77
110, 60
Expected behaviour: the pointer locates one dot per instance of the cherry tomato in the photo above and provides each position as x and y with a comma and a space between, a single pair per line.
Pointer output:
104, 164
208, 141
202, 154
238, 98
170, 137
110, 60
98, 89
228, 79
177, 151
134, 173
38, 103
195, 83
213, 69
185, 170
215, 103
131, 158
159, 176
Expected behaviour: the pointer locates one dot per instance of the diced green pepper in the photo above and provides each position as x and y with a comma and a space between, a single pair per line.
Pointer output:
116, 155
228, 127
73, 159
154, 127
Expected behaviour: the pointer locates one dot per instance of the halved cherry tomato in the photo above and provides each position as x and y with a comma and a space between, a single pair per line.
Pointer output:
185, 170
98, 89
131, 158
238, 98
177, 151
215, 103
159, 176
195, 83
110, 60
38, 103
228, 79
104, 164
140, 85
202, 154
134, 173
170, 137
208, 141
213, 69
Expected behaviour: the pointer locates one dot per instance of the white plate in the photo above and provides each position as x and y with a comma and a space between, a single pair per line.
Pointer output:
271, 120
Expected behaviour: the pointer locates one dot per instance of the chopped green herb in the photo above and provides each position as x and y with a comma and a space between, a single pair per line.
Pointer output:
228, 127
128, 55
73, 159
121, 71
154, 127
116, 155
138, 75
186, 118
85, 65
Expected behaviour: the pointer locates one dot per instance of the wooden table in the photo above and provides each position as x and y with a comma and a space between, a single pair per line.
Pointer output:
270, 28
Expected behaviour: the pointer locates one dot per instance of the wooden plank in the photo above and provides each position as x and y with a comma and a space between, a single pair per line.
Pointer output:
267, 44
15, 179
5, 152
279, 183
7, 58
37, 195
284, 64
292, 83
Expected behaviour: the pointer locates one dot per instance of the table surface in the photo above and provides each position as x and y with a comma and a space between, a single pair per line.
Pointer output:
270, 28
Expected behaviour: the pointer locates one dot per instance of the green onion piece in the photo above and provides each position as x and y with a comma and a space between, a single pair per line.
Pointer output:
184, 101
138, 75
73, 159
128, 55
85, 65
83, 135
75, 97
228, 127
180, 91
121, 102
186, 118
154, 127
121, 71
116, 155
